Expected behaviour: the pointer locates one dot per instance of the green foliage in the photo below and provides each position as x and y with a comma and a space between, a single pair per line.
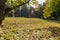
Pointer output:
35, 2
51, 7
14, 3
37, 8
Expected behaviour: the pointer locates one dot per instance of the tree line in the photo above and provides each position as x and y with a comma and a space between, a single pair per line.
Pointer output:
13, 8
49, 10
28, 11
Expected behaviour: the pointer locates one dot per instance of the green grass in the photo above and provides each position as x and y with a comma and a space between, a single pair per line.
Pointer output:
30, 28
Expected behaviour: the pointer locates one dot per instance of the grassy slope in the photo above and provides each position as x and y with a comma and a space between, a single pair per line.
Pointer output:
13, 25
30, 23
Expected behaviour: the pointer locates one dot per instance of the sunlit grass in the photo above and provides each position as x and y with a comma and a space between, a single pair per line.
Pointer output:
30, 23
25, 28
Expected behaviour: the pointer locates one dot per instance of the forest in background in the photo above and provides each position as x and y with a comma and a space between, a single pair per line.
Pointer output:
47, 10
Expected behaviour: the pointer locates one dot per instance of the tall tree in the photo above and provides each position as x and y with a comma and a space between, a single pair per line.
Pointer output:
52, 8
24, 11
4, 9
17, 12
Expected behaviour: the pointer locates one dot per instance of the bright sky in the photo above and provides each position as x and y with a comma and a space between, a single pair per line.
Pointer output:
40, 2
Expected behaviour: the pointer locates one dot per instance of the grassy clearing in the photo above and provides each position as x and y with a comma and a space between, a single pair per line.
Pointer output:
30, 23
30, 29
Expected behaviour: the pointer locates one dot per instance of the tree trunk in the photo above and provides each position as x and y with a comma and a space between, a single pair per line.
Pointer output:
2, 10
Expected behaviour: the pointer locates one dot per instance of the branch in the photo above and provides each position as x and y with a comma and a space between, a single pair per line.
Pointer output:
9, 9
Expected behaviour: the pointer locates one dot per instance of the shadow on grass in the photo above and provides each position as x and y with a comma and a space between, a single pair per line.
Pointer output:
55, 21
55, 31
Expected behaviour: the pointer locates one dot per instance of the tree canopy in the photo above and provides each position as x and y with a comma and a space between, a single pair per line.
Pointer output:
12, 4
8, 5
52, 7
